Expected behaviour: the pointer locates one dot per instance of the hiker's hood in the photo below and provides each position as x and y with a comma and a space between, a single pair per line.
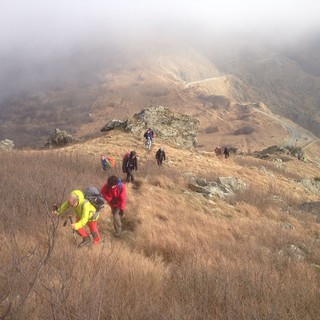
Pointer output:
80, 195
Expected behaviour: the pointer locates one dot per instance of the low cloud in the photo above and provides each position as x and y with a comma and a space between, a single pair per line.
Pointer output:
42, 42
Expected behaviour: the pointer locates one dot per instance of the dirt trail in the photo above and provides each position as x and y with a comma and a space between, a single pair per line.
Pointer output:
297, 136
189, 84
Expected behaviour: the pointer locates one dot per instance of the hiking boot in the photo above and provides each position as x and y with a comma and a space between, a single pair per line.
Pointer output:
85, 241
120, 233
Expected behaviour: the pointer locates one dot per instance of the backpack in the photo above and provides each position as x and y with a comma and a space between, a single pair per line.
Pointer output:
120, 185
126, 156
110, 162
93, 195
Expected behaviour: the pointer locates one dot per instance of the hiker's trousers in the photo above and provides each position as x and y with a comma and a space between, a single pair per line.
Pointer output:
130, 175
93, 230
116, 219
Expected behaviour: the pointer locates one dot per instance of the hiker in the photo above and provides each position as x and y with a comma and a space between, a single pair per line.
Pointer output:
107, 162
104, 162
149, 134
129, 164
226, 152
160, 156
86, 214
217, 151
114, 192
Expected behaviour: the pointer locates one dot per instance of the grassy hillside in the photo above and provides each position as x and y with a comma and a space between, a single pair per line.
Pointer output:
254, 255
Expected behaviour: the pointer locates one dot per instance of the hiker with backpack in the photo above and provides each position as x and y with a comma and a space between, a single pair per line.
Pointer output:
149, 134
129, 165
86, 214
218, 151
107, 162
160, 156
226, 153
114, 192
103, 162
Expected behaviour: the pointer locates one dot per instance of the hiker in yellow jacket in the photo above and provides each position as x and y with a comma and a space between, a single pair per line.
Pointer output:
86, 214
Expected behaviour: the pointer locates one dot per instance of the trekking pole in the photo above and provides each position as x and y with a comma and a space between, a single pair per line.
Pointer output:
69, 218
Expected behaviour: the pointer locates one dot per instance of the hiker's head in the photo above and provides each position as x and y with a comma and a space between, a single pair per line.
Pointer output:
161, 148
112, 181
132, 154
73, 200
103, 157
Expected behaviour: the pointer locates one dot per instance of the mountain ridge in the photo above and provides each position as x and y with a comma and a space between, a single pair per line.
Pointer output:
177, 77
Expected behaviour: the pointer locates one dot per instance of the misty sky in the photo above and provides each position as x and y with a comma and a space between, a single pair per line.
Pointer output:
35, 32
54, 23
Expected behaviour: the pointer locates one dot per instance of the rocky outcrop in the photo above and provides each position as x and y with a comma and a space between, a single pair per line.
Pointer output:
312, 184
60, 138
113, 124
6, 144
224, 187
180, 129
284, 153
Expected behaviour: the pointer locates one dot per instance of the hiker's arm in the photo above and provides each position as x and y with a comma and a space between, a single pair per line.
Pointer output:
62, 208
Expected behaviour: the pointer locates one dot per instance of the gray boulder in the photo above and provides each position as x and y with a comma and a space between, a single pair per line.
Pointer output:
223, 188
6, 144
60, 138
113, 124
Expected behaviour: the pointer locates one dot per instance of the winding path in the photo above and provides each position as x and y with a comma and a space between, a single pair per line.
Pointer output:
298, 136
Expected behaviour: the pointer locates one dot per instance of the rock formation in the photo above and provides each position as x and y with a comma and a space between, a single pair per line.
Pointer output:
60, 138
174, 127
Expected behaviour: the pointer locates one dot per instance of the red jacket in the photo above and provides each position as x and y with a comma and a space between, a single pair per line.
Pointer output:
114, 196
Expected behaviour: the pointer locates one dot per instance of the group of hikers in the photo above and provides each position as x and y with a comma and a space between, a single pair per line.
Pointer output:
113, 192
226, 152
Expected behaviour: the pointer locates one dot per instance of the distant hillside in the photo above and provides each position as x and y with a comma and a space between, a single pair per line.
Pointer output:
283, 85
181, 77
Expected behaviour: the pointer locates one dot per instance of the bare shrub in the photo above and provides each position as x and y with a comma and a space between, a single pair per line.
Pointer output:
244, 131
211, 129
259, 198
160, 175
275, 167
157, 92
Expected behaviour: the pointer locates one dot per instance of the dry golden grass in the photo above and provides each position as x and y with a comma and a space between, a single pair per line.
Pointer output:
184, 256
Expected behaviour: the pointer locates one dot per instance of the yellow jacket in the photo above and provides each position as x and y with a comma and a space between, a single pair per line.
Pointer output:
84, 210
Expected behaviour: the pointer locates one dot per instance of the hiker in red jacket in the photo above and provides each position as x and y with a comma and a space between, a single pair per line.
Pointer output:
114, 192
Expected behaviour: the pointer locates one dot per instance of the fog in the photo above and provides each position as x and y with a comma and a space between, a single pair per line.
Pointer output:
58, 42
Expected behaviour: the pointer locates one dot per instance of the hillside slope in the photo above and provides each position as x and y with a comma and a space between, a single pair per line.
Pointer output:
186, 255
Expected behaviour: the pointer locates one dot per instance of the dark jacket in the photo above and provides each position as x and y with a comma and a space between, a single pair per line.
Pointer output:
160, 155
104, 164
149, 134
129, 164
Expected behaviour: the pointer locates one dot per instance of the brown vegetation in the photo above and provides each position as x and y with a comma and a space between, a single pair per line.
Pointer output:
184, 256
